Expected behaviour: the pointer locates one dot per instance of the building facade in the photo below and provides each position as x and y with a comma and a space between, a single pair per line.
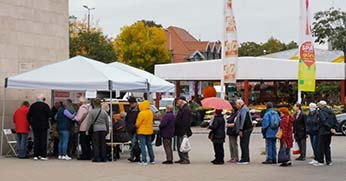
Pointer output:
33, 33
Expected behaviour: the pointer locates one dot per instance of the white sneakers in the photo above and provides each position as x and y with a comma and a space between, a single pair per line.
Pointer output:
313, 162
318, 164
143, 163
66, 157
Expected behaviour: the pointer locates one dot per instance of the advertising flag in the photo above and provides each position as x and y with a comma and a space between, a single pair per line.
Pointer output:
307, 58
230, 44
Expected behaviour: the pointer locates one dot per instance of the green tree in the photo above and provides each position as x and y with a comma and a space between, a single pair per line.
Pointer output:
330, 26
142, 46
292, 45
90, 43
250, 49
273, 45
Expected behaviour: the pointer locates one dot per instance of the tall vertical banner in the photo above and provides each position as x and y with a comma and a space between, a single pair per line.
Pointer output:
230, 44
307, 58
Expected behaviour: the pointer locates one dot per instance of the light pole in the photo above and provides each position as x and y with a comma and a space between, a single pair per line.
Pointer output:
89, 9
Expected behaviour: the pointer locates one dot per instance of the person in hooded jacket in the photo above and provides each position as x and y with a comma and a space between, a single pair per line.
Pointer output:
145, 130
217, 136
312, 125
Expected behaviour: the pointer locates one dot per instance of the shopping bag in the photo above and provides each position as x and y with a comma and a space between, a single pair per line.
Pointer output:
296, 150
158, 140
279, 134
283, 155
185, 145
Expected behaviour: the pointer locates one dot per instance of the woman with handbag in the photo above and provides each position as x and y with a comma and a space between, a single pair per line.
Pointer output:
217, 136
286, 140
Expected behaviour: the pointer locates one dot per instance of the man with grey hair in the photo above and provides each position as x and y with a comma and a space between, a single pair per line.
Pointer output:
327, 127
167, 132
244, 129
38, 117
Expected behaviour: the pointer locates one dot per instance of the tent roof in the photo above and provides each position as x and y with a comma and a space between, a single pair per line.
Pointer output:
77, 73
156, 84
249, 68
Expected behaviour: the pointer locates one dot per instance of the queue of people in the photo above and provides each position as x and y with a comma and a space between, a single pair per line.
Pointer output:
136, 125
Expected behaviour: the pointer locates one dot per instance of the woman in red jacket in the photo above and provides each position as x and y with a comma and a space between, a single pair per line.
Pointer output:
286, 125
22, 128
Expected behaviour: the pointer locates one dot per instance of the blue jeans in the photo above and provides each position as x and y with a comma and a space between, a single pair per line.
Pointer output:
271, 149
145, 140
133, 142
314, 144
63, 141
22, 139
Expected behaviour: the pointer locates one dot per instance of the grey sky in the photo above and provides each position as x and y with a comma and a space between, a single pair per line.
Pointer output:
257, 20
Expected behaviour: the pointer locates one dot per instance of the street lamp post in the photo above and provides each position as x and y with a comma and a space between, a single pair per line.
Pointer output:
89, 9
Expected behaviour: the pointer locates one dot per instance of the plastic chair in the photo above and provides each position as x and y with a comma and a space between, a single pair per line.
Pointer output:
12, 142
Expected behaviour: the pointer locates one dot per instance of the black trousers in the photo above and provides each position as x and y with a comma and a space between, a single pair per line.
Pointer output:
99, 145
302, 147
40, 142
219, 152
85, 142
244, 145
324, 148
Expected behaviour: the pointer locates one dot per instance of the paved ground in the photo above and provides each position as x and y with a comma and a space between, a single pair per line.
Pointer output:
200, 169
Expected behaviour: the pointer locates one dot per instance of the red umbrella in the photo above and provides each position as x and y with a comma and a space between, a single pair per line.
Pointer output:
216, 103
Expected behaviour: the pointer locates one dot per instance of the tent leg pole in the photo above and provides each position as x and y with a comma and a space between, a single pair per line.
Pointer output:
3, 124
111, 126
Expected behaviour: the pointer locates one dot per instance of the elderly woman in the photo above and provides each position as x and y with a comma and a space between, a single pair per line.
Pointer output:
217, 136
312, 127
286, 126
299, 130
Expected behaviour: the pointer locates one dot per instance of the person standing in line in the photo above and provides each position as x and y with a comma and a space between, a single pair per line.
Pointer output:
217, 136
64, 119
244, 129
327, 128
145, 130
270, 126
286, 126
38, 117
232, 135
299, 130
312, 125
99, 120
167, 132
130, 123
22, 128
182, 127
82, 119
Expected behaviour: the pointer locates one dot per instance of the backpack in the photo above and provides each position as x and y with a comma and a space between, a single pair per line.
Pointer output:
274, 120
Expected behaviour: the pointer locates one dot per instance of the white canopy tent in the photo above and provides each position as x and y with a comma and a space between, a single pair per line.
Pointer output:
249, 68
156, 84
77, 73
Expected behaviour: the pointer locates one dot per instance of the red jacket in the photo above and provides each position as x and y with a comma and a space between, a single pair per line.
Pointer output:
286, 125
20, 121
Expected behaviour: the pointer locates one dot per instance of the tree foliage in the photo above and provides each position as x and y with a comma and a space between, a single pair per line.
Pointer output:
330, 26
271, 46
142, 46
90, 43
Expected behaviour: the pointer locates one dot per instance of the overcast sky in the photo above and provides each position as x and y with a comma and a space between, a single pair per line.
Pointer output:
257, 20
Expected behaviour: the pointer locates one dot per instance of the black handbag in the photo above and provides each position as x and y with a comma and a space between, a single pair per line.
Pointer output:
158, 141
283, 155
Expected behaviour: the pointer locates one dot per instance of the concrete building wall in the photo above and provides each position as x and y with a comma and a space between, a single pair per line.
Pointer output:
33, 33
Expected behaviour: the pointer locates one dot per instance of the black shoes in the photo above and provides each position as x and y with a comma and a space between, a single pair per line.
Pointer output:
300, 159
269, 162
133, 160
285, 164
167, 162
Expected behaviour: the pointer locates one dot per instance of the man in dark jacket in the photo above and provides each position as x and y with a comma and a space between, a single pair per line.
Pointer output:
130, 121
299, 130
167, 132
217, 136
326, 129
182, 127
38, 117
244, 129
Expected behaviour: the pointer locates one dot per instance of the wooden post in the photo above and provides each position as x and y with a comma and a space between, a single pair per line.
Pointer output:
196, 89
177, 88
157, 100
246, 92
342, 92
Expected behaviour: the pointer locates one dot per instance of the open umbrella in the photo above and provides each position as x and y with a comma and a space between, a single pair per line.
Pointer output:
216, 103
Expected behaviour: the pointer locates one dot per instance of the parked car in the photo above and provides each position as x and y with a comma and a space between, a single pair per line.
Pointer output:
164, 102
341, 123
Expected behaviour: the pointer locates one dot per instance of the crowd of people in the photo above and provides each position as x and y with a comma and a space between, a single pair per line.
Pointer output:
92, 124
